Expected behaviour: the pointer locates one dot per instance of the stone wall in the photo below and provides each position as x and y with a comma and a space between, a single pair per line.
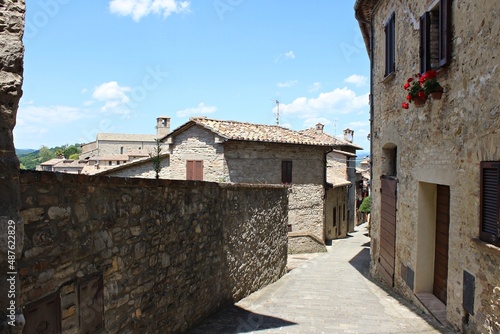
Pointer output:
442, 143
11, 227
336, 167
197, 143
143, 169
306, 209
168, 253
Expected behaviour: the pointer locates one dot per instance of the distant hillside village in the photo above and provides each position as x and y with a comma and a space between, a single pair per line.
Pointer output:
327, 185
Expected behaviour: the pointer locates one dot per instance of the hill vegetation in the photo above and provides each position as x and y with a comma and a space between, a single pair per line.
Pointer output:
31, 158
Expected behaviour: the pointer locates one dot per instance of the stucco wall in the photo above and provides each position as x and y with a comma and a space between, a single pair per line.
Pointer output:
442, 143
336, 198
169, 252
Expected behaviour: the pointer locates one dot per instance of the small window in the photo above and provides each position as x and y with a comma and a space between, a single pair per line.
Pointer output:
490, 203
194, 170
286, 172
390, 45
435, 37
334, 217
121, 150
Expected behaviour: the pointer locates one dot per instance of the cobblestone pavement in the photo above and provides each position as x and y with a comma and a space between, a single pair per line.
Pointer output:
324, 293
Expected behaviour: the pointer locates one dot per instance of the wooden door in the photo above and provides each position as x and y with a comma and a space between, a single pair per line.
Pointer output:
441, 245
388, 228
43, 316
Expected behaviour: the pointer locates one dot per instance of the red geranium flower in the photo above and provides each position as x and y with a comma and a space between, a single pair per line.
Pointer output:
405, 105
430, 74
408, 97
409, 80
422, 95
407, 85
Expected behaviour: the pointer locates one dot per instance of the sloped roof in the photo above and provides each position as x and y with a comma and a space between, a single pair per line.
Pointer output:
125, 137
325, 137
337, 181
233, 130
51, 162
363, 10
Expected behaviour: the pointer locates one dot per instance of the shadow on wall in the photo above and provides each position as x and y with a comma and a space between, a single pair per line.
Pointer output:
235, 319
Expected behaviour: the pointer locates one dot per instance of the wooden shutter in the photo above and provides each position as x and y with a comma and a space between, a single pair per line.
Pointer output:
43, 316
198, 170
286, 172
390, 45
444, 32
194, 170
490, 202
425, 42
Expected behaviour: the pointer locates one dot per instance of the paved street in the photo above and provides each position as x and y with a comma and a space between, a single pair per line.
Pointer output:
324, 293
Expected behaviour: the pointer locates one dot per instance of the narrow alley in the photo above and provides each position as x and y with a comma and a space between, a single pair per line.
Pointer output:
325, 293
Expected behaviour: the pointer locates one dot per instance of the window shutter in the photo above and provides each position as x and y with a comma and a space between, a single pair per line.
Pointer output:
390, 45
286, 172
444, 32
490, 202
198, 172
189, 170
425, 43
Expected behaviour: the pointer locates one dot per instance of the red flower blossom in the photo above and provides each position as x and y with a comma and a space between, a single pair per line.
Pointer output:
408, 97
407, 85
409, 80
405, 105
422, 95
430, 74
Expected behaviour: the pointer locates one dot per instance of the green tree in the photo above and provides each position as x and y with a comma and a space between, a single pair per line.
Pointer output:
156, 158
75, 156
45, 154
365, 206
70, 151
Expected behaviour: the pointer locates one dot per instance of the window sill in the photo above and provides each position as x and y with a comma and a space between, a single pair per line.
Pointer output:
486, 247
389, 77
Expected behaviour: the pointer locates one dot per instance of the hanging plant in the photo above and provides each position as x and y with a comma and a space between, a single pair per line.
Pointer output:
419, 87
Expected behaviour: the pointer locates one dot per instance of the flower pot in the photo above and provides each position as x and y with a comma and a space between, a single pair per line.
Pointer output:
418, 101
437, 94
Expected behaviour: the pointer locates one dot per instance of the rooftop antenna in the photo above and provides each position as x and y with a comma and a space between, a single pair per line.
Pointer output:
278, 112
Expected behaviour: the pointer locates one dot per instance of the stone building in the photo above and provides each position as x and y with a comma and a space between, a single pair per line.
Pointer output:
228, 151
236, 152
435, 169
341, 162
114, 145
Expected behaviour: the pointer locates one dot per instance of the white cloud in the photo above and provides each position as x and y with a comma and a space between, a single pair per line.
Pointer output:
315, 87
33, 121
336, 102
290, 55
200, 110
356, 79
287, 84
140, 8
114, 96
53, 115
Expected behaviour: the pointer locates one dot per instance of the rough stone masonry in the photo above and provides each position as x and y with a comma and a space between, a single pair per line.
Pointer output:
11, 77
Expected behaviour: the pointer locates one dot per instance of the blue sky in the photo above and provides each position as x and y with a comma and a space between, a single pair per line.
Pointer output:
115, 65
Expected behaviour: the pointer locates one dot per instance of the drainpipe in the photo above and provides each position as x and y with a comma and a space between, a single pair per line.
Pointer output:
372, 126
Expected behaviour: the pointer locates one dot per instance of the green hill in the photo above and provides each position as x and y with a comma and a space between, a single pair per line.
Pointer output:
31, 158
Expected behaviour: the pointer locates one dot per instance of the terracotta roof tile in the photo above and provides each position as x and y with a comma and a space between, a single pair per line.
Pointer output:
325, 137
233, 130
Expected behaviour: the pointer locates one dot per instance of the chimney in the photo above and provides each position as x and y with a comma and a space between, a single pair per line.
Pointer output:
348, 135
162, 126
319, 128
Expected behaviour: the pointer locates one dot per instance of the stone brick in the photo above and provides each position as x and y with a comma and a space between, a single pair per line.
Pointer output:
198, 246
